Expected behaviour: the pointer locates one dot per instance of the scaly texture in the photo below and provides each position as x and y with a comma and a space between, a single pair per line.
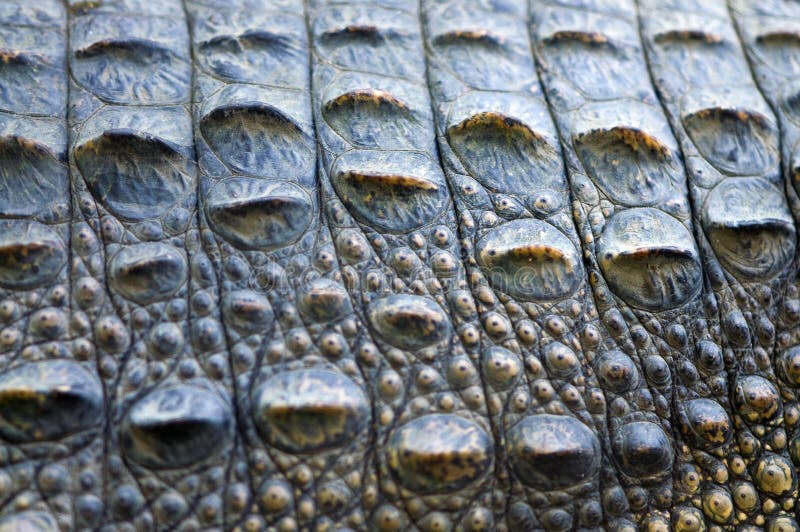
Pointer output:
316, 265
632, 211
293, 334
394, 229
138, 264
52, 411
769, 32
502, 160
729, 139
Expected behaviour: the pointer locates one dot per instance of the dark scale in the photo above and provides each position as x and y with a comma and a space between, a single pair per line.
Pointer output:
633, 214
293, 334
502, 159
770, 34
746, 235
394, 228
139, 270
52, 412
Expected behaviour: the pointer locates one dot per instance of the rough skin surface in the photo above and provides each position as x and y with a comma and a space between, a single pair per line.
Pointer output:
399, 265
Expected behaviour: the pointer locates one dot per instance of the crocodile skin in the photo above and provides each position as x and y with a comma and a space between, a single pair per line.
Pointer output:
388, 265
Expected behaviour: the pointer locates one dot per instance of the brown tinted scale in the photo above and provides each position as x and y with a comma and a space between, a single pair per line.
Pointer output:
291, 329
143, 290
502, 160
390, 210
632, 210
52, 412
746, 235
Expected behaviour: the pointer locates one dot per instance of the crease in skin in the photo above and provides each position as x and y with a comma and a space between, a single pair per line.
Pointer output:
779, 37
742, 115
107, 46
23, 58
747, 290
499, 119
585, 37
117, 134
664, 251
354, 30
367, 96
272, 205
532, 252
258, 36
466, 36
400, 182
251, 106
30, 144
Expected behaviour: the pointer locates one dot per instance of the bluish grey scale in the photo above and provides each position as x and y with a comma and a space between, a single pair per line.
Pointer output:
52, 412
293, 334
633, 214
389, 207
139, 273
502, 159
746, 235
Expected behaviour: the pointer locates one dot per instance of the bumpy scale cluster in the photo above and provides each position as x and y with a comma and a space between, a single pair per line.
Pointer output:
293, 335
52, 408
502, 159
141, 280
394, 228
730, 144
633, 215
